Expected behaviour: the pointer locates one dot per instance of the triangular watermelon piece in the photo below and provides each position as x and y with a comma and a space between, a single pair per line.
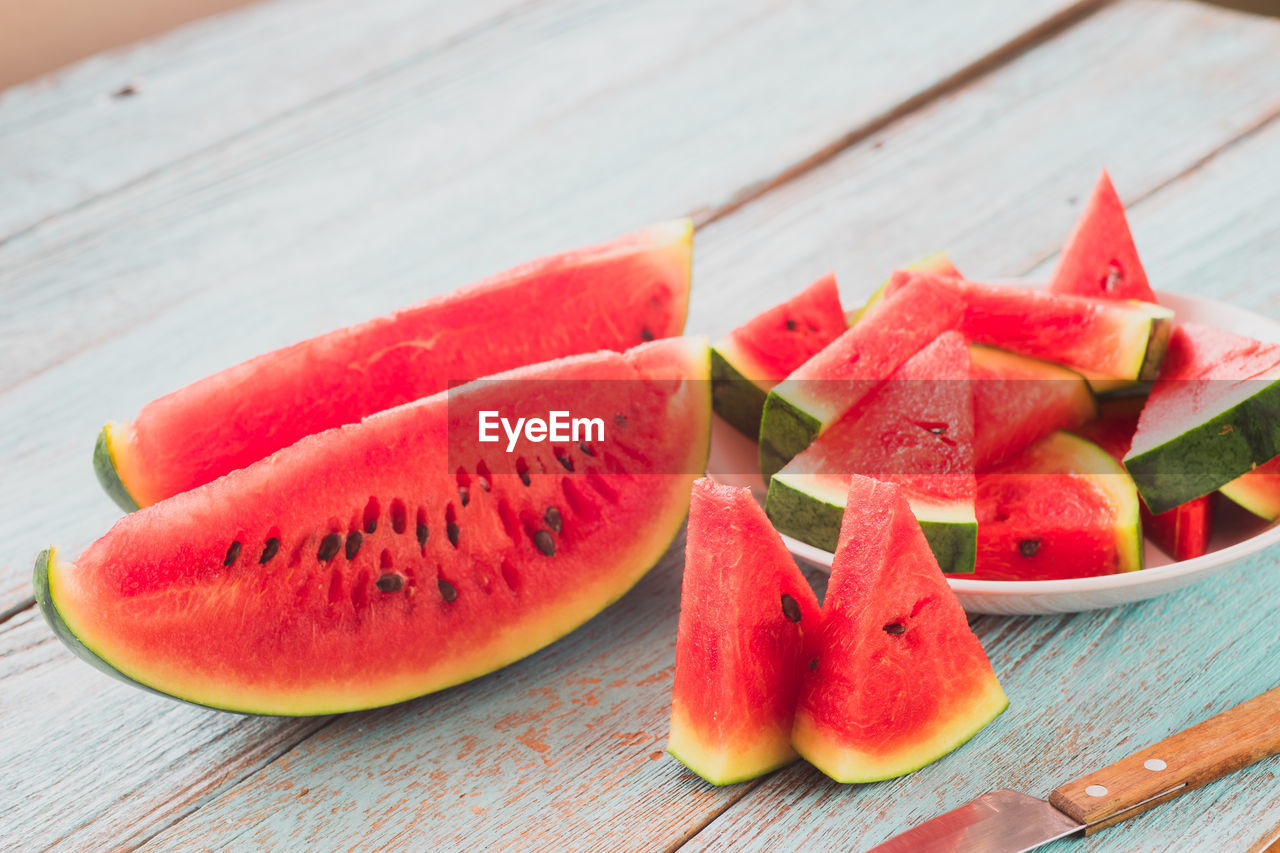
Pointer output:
916, 430
747, 620
759, 354
1100, 258
898, 680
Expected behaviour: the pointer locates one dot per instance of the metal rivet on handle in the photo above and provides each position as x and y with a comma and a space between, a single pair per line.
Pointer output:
1154, 764
1096, 791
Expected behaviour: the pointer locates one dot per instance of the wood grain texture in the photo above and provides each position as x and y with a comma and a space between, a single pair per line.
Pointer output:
68, 139
564, 124
1182, 762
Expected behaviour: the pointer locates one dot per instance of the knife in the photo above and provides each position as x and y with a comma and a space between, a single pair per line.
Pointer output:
1009, 822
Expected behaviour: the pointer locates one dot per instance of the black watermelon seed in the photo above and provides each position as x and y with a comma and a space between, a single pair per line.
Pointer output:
620, 420
422, 534
586, 448
451, 530
329, 547
567, 463
937, 430
645, 334
464, 495
447, 590
233, 554
390, 582
552, 517
1029, 547
524, 477
895, 628
269, 550
545, 543
371, 525
791, 325
790, 608
354, 540
813, 665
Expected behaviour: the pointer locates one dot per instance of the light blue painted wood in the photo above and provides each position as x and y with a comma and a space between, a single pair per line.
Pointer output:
468, 766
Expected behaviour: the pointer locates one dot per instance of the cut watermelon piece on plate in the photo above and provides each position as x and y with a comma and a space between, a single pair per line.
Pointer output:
1213, 416
612, 296
1096, 337
1258, 491
898, 679
916, 430
1018, 400
831, 383
379, 561
1100, 259
747, 620
1063, 508
758, 355
1182, 532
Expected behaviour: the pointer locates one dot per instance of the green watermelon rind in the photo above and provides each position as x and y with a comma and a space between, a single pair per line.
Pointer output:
790, 429
812, 518
1253, 496
104, 466
1210, 454
739, 401
732, 779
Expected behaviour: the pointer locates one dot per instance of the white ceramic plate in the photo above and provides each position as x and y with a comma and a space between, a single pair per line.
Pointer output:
1237, 533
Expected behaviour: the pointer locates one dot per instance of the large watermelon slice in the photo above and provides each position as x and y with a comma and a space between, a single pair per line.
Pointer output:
831, 383
1100, 258
1098, 337
611, 296
1182, 532
758, 355
899, 680
1213, 415
1019, 400
916, 430
382, 560
1258, 491
1063, 508
747, 621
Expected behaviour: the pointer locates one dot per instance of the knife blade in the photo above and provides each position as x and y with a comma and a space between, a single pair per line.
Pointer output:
1011, 822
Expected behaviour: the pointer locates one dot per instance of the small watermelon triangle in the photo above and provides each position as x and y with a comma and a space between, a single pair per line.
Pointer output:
1100, 258
898, 679
747, 619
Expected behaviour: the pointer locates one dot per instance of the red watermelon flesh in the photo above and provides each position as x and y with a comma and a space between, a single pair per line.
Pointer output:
382, 560
612, 296
1100, 258
1063, 508
1182, 532
916, 430
774, 343
899, 679
1018, 400
747, 619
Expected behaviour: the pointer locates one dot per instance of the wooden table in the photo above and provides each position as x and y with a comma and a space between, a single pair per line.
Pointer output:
175, 207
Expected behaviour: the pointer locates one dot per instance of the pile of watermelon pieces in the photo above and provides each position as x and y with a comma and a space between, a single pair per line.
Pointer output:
1037, 433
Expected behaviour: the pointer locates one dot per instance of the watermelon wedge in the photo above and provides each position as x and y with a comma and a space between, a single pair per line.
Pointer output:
1100, 259
1019, 400
1258, 491
832, 382
1063, 508
747, 621
1213, 416
1182, 532
756, 356
899, 679
612, 296
1096, 337
936, 264
382, 560
916, 430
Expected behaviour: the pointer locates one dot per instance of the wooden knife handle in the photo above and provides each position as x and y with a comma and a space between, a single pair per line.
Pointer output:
1182, 762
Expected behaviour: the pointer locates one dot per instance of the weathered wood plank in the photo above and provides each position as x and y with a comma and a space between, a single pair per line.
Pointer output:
610, 115
1064, 674
343, 213
65, 140
92, 764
